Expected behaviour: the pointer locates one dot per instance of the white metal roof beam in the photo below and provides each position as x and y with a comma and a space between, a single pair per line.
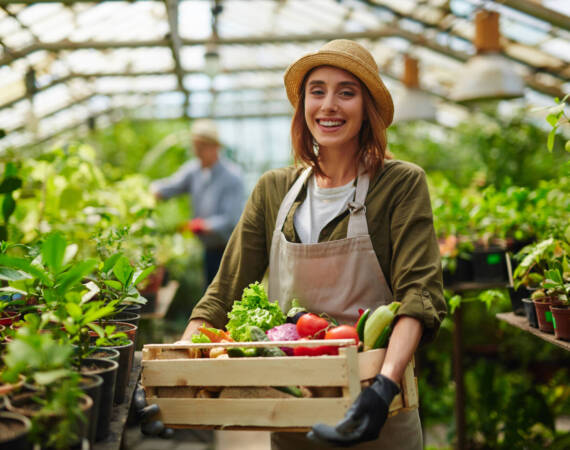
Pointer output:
175, 46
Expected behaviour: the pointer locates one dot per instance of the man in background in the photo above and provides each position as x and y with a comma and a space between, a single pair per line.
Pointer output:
216, 188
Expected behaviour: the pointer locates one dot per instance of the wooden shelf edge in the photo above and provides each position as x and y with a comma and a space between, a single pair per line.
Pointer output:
522, 323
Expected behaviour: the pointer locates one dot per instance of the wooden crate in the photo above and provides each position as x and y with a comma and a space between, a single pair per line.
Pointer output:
171, 378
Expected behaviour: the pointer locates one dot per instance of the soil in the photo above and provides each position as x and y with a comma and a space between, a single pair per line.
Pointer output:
10, 428
90, 368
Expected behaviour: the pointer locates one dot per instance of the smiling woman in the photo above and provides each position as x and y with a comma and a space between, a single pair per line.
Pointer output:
348, 229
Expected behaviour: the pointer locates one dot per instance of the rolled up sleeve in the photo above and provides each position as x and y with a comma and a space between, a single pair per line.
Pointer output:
416, 265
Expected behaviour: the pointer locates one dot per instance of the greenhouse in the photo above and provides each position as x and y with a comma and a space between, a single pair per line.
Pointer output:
284, 224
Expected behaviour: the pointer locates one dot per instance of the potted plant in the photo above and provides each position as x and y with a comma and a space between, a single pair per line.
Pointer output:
14, 431
109, 338
557, 283
56, 406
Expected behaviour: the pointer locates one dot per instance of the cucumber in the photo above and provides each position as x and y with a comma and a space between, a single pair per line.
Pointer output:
380, 319
382, 340
360, 324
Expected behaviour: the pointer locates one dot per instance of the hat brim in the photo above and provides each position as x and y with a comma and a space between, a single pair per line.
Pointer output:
297, 71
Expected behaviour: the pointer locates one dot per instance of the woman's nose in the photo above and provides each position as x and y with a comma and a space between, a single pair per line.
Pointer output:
329, 103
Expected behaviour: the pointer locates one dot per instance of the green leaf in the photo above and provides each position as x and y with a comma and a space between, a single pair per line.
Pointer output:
123, 270
95, 314
110, 262
142, 275
11, 170
74, 311
553, 118
8, 207
13, 275
454, 302
25, 266
567, 146
10, 184
97, 329
114, 284
3, 233
75, 275
48, 377
550, 140
53, 251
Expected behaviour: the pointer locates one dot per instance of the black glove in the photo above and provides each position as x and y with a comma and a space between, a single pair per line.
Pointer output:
145, 413
364, 419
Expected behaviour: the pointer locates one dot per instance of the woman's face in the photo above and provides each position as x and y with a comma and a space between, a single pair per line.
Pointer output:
334, 108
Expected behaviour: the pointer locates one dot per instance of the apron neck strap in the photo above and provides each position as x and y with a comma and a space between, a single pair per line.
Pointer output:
357, 224
290, 197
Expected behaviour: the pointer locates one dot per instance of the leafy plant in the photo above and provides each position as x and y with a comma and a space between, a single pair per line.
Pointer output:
10, 182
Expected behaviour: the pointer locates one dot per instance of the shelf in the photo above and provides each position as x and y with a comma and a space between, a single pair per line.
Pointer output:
522, 323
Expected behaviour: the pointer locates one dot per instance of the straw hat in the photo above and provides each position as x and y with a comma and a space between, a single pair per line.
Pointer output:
205, 130
347, 55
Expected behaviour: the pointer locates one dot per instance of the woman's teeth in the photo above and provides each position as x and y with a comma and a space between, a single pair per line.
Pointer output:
330, 123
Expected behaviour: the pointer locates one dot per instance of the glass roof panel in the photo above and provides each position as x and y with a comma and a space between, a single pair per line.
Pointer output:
79, 52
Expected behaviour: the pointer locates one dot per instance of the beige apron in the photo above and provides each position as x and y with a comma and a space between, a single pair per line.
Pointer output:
336, 278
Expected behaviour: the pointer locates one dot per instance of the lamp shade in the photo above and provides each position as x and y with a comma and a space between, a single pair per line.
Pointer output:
488, 75
413, 104
211, 62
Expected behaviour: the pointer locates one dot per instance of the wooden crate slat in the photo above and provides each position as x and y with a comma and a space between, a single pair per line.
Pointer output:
252, 412
370, 363
308, 371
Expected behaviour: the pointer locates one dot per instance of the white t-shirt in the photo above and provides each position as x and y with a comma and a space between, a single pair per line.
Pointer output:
320, 207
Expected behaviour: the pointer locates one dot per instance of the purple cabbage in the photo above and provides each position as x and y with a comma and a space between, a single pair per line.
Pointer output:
285, 332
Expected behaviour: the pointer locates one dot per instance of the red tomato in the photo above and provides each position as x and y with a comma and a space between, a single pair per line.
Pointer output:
343, 332
315, 351
312, 326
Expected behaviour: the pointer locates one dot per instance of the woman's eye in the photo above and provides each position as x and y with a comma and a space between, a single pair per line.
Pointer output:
347, 94
317, 92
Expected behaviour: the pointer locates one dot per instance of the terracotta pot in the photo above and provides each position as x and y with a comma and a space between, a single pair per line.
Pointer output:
128, 328
8, 317
561, 321
544, 315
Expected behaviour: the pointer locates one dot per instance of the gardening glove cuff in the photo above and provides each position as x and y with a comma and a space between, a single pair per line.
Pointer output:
364, 419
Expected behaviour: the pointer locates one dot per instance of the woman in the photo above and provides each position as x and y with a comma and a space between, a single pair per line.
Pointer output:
351, 229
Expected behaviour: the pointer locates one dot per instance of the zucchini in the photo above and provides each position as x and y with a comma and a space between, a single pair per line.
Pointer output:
360, 324
380, 319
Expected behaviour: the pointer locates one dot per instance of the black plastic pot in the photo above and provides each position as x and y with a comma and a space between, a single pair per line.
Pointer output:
14, 431
92, 385
105, 353
463, 273
489, 265
530, 312
25, 405
107, 370
125, 316
126, 354
516, 299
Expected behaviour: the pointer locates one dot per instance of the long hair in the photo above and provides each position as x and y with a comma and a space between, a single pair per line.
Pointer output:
372, 136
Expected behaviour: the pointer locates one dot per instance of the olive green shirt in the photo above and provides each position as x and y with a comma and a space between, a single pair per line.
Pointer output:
400, 223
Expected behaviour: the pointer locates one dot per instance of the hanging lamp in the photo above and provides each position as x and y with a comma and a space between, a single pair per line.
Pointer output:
488, 75
413, 104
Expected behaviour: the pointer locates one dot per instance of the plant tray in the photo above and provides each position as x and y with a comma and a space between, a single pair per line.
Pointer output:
177, 383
